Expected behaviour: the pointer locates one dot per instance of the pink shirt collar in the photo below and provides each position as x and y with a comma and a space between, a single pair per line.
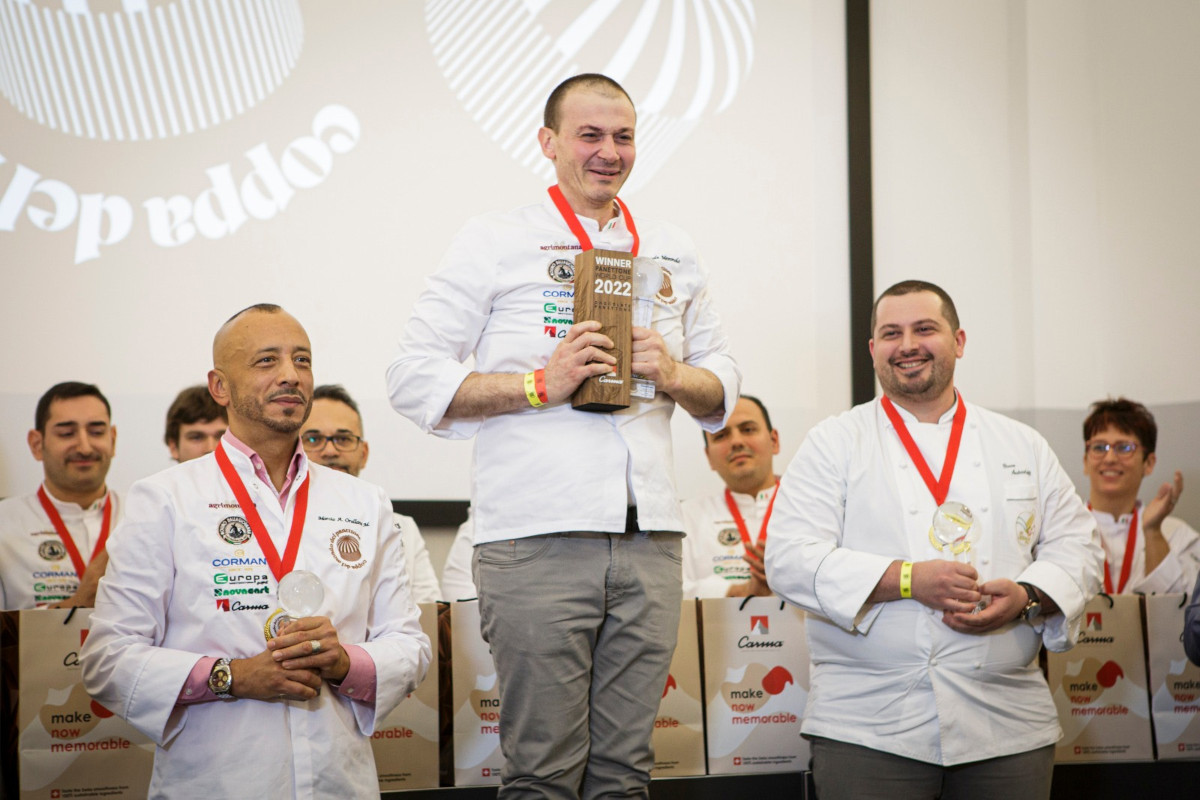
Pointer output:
260, 468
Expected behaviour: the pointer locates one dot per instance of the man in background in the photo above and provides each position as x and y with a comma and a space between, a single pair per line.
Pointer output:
727, 530
52, 541
333, 437
195, 423
1145, 550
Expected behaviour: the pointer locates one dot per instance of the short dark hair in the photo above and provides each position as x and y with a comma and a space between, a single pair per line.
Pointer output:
761, 407
268, 308
589, 80
194, 404
909, 287
1124, 415
65, 391
335, 391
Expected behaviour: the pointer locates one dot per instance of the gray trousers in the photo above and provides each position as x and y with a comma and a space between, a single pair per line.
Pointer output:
843, 771
582, 627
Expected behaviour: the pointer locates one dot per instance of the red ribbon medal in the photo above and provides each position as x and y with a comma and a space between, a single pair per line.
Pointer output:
741, 522
938, 487
61, 529
572, 220
279, 568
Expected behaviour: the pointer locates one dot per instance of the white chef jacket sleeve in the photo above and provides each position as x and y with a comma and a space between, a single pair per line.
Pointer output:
804, 559
457, 581
421, 575
395, 642
1178, 570
706, 346
442, 333
124, 666
1068, 559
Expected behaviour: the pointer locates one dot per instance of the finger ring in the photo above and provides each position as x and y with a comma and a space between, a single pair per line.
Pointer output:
316, 646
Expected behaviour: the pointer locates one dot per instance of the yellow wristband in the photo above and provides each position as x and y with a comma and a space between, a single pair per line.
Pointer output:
906, 579
531, 391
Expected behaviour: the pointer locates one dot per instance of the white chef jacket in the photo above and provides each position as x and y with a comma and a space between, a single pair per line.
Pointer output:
712, 548
35, 569
458, 582
892, 676
422, 579
158, 612
1175, 573
549, 469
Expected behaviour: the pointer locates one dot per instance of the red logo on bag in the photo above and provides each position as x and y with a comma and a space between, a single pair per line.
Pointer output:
487, 772
737, 761
1094, 623
759, 626
670, 684
776, 680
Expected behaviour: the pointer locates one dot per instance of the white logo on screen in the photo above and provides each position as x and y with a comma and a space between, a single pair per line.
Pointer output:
148, 70
678, 59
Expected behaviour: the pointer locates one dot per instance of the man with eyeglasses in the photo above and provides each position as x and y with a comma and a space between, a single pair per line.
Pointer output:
52, 541
1145, 550
333, 437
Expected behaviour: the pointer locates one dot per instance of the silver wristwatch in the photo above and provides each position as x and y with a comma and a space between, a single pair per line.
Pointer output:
220, 680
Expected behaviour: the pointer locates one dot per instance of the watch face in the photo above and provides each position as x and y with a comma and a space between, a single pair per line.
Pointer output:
219, 679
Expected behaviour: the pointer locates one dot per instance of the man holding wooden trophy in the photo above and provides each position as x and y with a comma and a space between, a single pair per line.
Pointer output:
577, 530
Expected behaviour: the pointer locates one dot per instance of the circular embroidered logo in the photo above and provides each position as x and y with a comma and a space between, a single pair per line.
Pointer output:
346, 550
728, 537
562, 270
234, 530
52, 550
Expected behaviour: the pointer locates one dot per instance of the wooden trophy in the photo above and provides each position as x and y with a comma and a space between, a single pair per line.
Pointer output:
604, 292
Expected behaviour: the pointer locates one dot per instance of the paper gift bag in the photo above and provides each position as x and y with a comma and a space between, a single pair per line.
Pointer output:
756, 684
68, 744
475, 702
1174, 680
1099, 686
406, 741
678, 738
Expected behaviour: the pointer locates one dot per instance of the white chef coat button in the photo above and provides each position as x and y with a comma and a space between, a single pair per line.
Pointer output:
983, 509
985, 561
933, 662
979, 666
350, 691
912, 510
903, 465
978, 463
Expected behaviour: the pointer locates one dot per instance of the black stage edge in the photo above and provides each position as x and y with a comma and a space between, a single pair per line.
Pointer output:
858, 175
433, 513
1158, 779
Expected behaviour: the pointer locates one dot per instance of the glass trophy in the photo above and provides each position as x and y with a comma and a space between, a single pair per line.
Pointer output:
953, 532
300, 595
647, 282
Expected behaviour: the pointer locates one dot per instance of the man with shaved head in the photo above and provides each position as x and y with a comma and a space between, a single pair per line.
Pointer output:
190, 641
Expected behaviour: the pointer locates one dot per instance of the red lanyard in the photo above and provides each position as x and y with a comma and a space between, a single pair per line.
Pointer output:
61, 529
278, 568
938, 487
741, 523
572, 220
1127, 561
